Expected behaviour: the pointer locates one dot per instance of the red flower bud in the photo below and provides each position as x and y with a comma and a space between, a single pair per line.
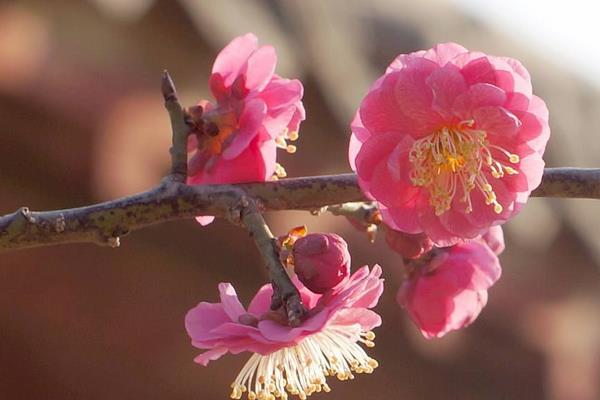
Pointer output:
321, 261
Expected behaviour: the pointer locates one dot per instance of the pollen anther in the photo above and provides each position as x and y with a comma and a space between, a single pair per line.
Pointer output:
459, 159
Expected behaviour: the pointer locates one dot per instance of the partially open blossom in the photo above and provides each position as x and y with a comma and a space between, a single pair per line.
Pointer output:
235, 139
408, 245
450, 142
294, 360
321, 261
450, 290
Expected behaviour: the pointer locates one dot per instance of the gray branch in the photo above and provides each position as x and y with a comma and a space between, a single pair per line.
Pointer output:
103, 223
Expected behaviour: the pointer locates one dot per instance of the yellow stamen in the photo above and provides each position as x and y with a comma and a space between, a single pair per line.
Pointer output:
458, 159
291, 148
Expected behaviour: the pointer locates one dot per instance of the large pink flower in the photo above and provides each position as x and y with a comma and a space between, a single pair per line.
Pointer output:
450, 142
291, 359
256, 111
450, 290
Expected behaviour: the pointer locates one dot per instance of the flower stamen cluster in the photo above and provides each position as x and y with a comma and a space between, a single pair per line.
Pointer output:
457, 159
303, 370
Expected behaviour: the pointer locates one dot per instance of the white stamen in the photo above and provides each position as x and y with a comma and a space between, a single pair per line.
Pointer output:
302, 369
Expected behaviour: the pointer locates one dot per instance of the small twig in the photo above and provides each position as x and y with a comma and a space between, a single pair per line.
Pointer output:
180, 129
363, 211
284, 291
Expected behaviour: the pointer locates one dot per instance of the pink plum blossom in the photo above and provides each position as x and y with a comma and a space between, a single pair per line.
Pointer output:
450, 142
450, 290
286, 359
321, 261
254, 113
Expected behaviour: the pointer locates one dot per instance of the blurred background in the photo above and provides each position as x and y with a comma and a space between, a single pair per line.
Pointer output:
81, 121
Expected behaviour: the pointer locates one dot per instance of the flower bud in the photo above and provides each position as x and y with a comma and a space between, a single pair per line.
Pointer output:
408, 245
450, 290
321, 261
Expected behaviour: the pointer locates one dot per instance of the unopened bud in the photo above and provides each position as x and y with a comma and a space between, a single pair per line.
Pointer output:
321, 261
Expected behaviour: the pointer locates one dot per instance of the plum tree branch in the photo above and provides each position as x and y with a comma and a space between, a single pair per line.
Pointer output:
171, 200
287, 294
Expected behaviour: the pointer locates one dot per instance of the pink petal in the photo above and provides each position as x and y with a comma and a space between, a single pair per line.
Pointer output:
478, 258
431, 225
532, 167
496, 121
358, 129
447, 83
204, 317
517, 67
479, 70
443, 53
494, 238
403, 218
537, 106
456, 222
219, 90
414, 99
282, 93
284, 334
249, 166
414, 59
230, 301
261, 302
205, 220
534, 130
276, 122
367, 319
478, 95
250, 121
234, 56
374, 151
260, 68
516, 102
210, 355
353, 149
388, 190
379, 111
483, 215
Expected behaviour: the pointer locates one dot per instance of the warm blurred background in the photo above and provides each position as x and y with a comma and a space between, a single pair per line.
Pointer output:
81, 121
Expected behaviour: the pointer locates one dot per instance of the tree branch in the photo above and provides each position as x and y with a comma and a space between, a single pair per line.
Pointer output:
284, 290
103, 223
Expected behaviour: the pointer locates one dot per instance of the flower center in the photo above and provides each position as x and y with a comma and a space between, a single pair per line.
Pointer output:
216, 129
458, 159
302, 369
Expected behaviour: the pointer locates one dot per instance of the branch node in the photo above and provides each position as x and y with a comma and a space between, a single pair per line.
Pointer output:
26, 213
60, 223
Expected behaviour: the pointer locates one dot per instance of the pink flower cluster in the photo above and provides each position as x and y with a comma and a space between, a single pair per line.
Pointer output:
256, 111
450, 142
